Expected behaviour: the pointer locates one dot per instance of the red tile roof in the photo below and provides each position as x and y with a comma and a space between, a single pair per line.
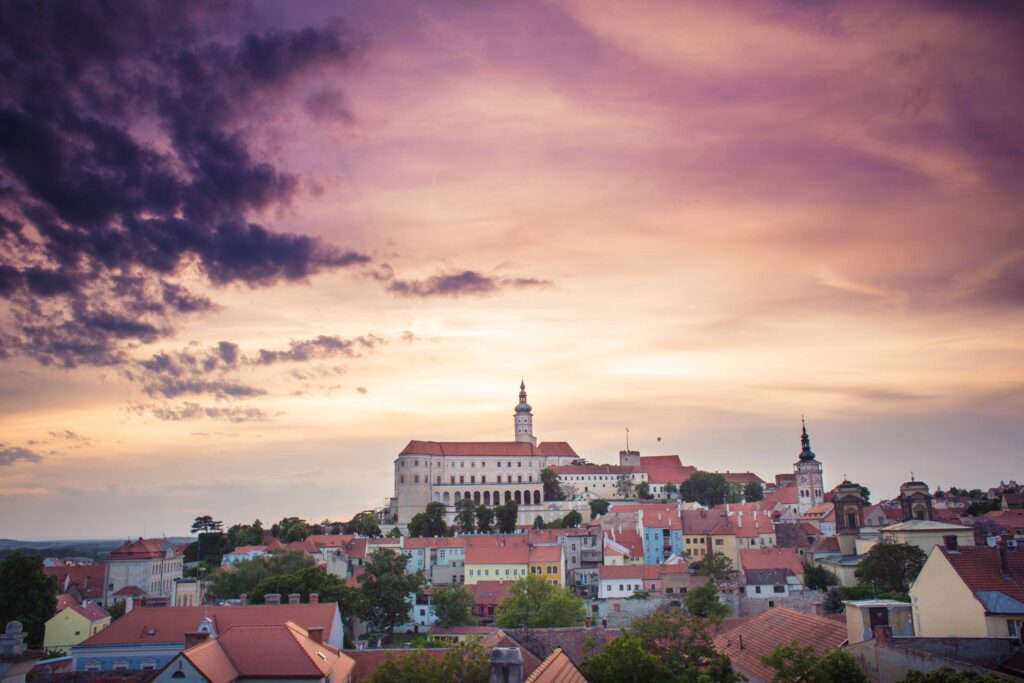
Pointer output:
129, 591
489, 592
65, 600
368, 661
787, 495
557, 668
741, 477
170, 624
497, 550
629, 539
488, 448
143, 548
86, 578
91, 611
771, 558
545, 553
664, 469
773, 627
980, 569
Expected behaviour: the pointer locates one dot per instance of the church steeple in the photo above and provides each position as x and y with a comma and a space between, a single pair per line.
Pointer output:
805, 442
524, 417
808, 471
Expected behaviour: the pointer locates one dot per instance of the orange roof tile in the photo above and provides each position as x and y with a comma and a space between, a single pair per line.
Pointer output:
595, 469
980, 569
664, 469
771, 558
557, 668
545, 553
787, 495
497, 550
143, 548
748, 642
91, 611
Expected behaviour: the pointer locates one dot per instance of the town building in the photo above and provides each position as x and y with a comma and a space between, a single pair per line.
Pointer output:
808, 471
490, 473
145, 568
73, 624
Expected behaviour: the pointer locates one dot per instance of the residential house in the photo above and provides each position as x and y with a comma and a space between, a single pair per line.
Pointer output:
441, 559
822, 516
82, 581
264, 652
546, 561
771, 558
624, 581
242, 553
662, 529
144, 568
770, 583
73, 624
926, 533
974, 591
487, 595
496, 557
751, 640
149, 637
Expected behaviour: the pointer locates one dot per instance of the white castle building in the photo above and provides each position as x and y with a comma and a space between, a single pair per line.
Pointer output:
490, 473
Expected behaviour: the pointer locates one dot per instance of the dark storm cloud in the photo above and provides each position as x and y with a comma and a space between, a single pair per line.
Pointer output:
12, 454
124, 160
467, 282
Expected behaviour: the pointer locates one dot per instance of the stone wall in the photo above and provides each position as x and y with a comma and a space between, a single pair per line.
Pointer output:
801, 601
889, 661
619, 612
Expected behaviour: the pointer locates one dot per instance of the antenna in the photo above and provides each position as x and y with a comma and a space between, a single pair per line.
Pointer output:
627, 439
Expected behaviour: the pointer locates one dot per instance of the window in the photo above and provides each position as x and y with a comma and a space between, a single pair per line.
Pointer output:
453, 478
401, 480
178, 674
462, 463
520, 478
438, 479
416, 479
1013, 627
462, 479
519, 464
771, 603
757, 589
472, 463
94, 665
780, 589
472, 479
531, 478
499, 464
415, 463
120, 664
719, 541
483, 478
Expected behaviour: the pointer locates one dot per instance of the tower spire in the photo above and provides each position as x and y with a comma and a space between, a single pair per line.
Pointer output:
805, 442
524, 417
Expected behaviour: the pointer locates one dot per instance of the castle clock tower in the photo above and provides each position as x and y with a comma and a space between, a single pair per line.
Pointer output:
810, 490
524, 418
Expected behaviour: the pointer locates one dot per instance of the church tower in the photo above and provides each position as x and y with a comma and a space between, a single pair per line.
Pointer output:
524, 418
810, 490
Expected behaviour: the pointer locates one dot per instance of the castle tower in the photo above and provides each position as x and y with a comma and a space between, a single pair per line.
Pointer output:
810, 490
916, 500
849, 504
524, 418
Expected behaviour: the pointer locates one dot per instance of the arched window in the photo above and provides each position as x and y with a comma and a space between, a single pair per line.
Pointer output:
519, 496
508, 496
536, 497
458, 497
476, 497
445, 498
487, 497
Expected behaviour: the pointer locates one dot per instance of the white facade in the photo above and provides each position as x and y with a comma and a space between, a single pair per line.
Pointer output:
154, 575
809, 480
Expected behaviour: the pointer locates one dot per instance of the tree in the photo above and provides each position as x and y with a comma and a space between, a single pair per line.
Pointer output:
819, 578
685, 645
671, 490
891, 566
116, 611
949, 675
245, 576
796, 663
462, 663
465, 515
643, 490
623, 486
980, 507
833, 603
865, 493
453, 605
572, 520
206, 523
753, 492
507, 515
538, 522
534, 602
707, 488
291, 529
430, 522
703, 601
27, 595
387, 590
552, 486
598, 507
716, 565
625, 660
312, 580
484, 519
363, 524
395, 532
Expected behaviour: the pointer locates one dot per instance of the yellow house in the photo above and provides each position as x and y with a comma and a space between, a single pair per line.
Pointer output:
73, 624
975, 592
926, 534
546, 561
494, 558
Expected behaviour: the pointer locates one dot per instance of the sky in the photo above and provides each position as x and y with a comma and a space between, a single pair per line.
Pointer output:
249, 250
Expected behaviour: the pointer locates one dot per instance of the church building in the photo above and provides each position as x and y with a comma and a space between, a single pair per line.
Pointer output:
489, 472
808, 471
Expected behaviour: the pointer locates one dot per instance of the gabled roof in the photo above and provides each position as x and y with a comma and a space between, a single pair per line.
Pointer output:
742, 477
91, 611
545, 553
748, 642
664, 469
87, 579
487, 448
925, 525
771, 558
542, 642
170, 624
497, 550
787, 495
557, 668
980, 569
143, 548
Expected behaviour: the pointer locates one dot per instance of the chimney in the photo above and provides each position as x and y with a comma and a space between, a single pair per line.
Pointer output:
272, 599
505, 666
882, 633
1004, 562
294, 598
243, 599
194, 638
819, 607
316, 634
314, 598
950, 542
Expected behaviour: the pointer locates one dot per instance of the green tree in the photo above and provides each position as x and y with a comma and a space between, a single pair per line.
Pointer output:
685, 645
643, 490
891, 566
116, 611
865, 493
395, 532
598, 507
819, 578
430, 522
671, 490
552, 486
453, 605
291, 529
507, 515
363, 524
572, 520
534, 602
833, 602
706, 488
312, 580
716, 565
462, 663
796, 663
484, 519
387, 591
981, 507
753, 492
703, 601
27, 595
465, 515
244, 577
949, 675
206, 523
624, 486
624, 660
538, 522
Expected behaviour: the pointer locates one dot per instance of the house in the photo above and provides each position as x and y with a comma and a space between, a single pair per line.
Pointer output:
624, 581
974, 591
149, 637
662, 529
772, 558
73, 624
556, 668
496, 557
442, 559
863, 616
258, 652
843, 566
770, 583
748, 642
822, 516
146, 567
926, 533
547, 561
242, 553
82, 581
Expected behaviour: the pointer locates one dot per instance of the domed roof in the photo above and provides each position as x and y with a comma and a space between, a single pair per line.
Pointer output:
523, 407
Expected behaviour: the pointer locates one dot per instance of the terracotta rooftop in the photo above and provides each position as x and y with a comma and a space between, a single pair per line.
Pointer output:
497, 550
91, 611
742, 477
87, 579
487, 448
980, 569
143, 548
771, 558
595, 469
542, 642
545, 553
664, 469
748, 642
787, 495
557, 668
65, 600
434, 542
